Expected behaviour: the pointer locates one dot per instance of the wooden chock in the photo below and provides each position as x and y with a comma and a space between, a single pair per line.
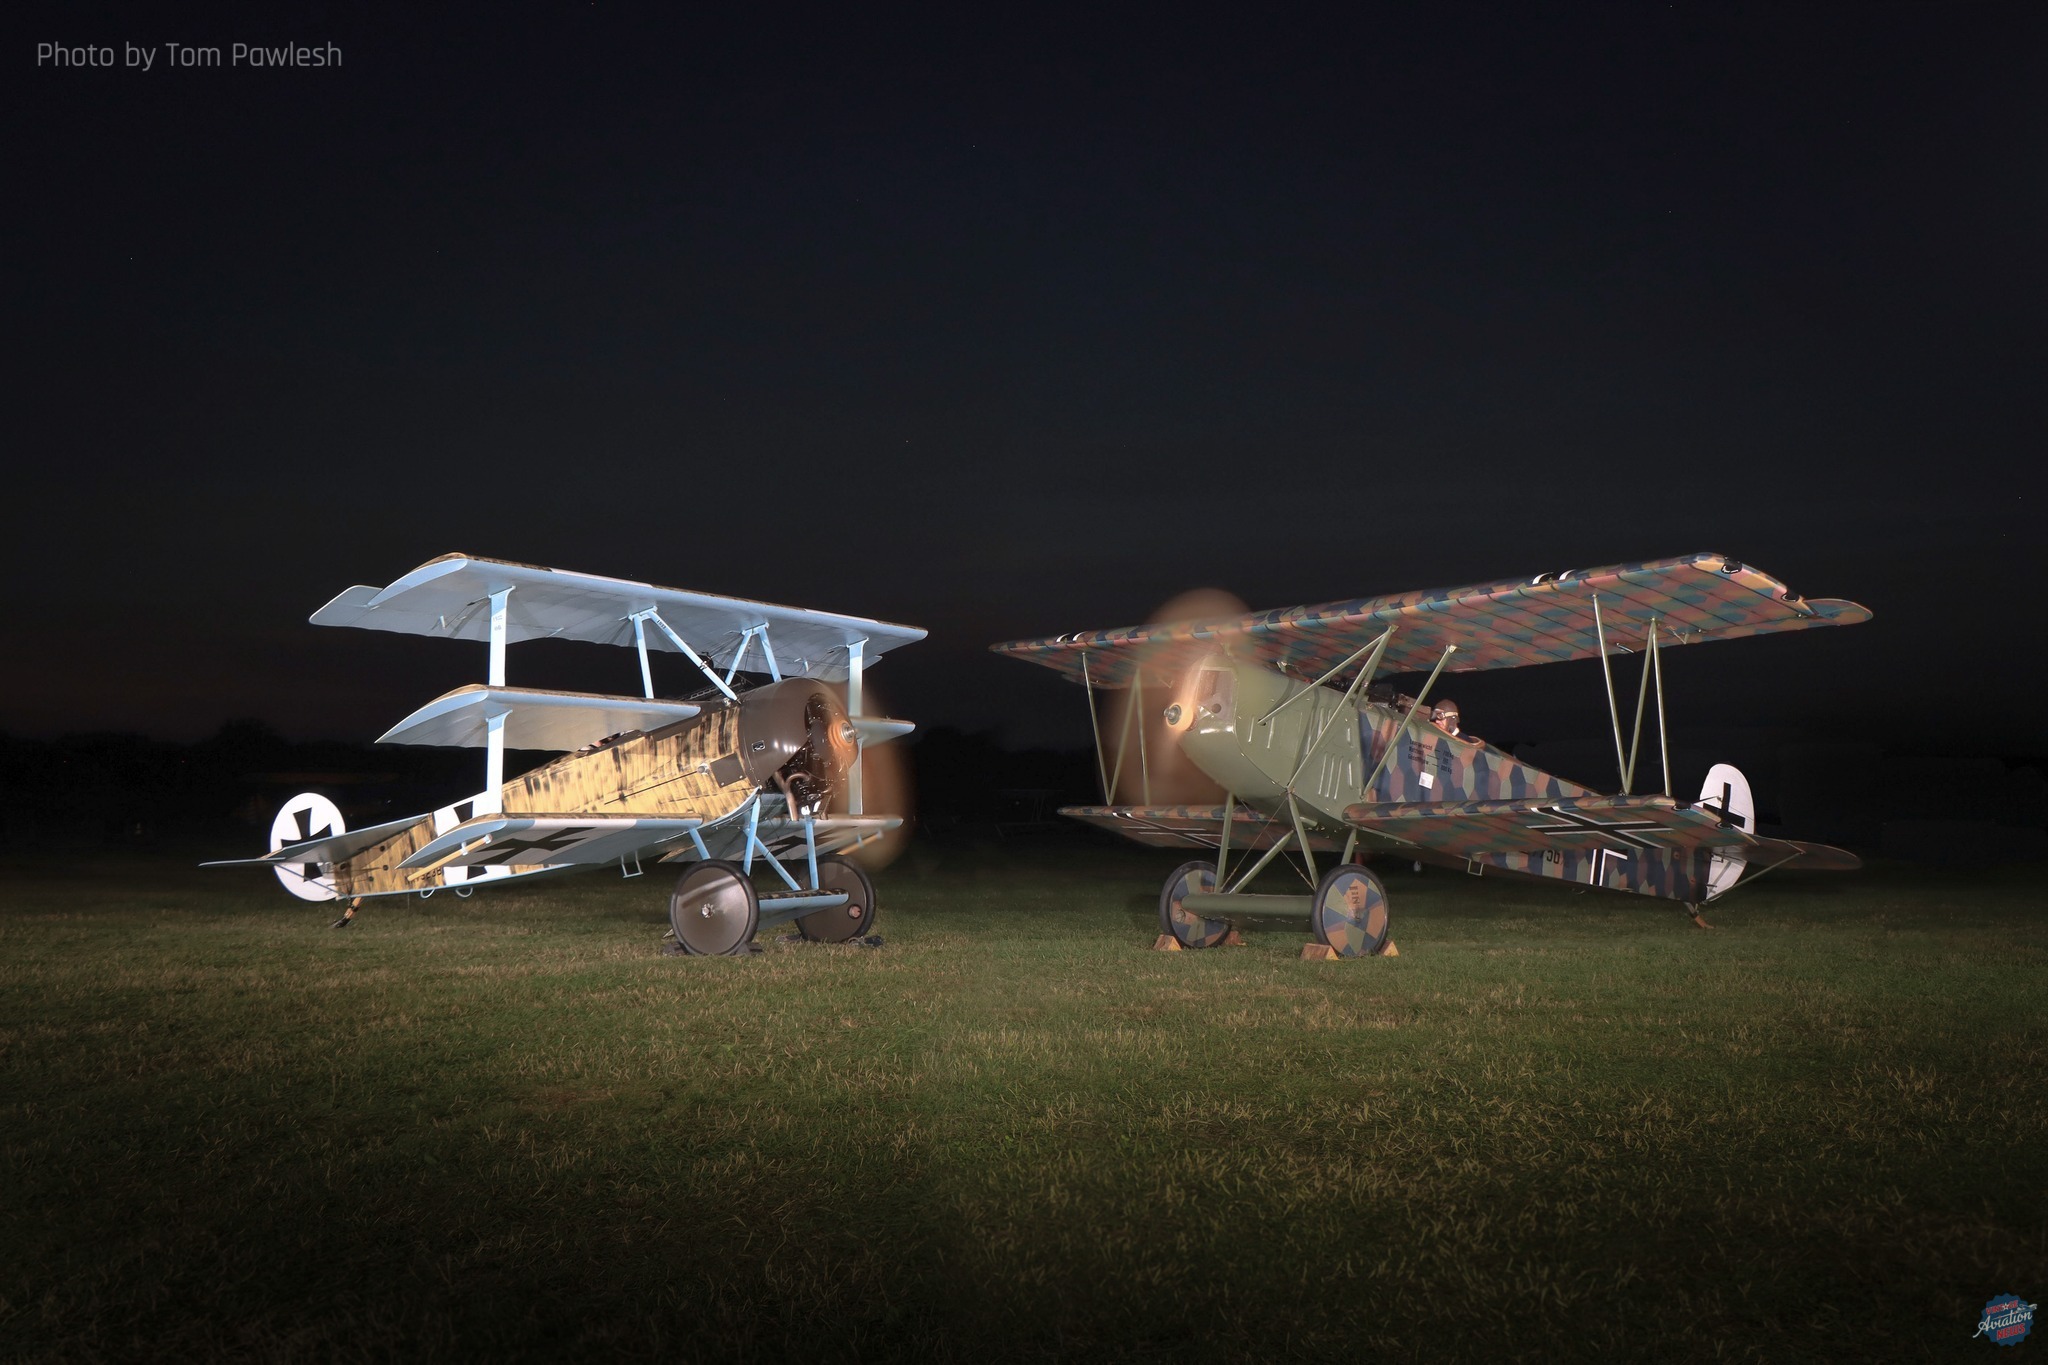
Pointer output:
1166, 943
1318, 952
1231, 939
1390, 950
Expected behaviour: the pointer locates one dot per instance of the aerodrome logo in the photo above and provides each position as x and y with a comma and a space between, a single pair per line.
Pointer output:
2007, 1320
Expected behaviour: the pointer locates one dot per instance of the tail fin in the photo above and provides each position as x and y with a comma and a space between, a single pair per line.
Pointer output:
1726, 794
308, 815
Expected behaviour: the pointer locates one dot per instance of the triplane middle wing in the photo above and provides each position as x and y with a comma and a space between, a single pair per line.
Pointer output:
1282, 710
736, 774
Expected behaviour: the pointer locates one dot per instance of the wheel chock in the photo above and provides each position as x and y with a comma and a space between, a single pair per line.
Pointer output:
1323, 952
1166, 943
1231, 939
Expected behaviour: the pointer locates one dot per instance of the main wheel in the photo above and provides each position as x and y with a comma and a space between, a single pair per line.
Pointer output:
1350, 912
714, 909
841, 922
1193, 930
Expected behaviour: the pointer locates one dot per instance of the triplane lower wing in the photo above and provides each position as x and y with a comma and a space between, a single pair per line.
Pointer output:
1281, 709
740, 774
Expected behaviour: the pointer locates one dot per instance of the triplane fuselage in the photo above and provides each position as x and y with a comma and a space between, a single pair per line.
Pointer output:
1282, 712
722, 781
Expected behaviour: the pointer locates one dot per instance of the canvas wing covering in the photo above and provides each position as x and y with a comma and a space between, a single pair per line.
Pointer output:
1470, 828
1624, 824
1506, 624
450, 597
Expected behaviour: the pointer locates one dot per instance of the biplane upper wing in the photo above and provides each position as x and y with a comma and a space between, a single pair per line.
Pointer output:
1191, 826
1507, 624
1625, 824
534, 719
451, 597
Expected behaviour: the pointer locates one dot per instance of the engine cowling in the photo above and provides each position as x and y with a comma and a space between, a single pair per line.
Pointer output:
795, 737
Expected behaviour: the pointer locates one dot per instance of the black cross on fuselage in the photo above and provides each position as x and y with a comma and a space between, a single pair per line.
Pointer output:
1620, 831
549, 843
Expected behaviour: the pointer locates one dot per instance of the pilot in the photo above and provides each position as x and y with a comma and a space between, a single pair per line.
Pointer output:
1445, 716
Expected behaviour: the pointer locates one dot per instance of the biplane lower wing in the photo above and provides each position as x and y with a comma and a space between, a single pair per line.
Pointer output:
1624, 823
1192, 826
546, 841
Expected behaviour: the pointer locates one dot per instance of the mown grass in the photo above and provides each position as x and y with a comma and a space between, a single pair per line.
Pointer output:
1555, 1127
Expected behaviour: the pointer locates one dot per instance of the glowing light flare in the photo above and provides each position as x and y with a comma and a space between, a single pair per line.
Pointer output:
1171, 778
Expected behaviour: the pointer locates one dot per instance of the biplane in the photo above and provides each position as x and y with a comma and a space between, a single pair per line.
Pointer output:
747, 771
1286, 712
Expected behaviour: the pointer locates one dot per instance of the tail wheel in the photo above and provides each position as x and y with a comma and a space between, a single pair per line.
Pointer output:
1193, 930
1350, 911
841, 922
714, 910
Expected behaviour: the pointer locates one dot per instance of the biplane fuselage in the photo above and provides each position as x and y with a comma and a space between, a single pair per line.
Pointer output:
1263, 736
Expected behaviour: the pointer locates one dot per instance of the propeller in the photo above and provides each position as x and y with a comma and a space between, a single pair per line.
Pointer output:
886, 786
1162, 769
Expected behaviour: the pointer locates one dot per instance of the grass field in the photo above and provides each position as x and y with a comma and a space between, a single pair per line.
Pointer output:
1556, 1126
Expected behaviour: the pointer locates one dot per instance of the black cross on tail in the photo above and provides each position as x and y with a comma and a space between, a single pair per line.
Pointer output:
1722, 812
310, 871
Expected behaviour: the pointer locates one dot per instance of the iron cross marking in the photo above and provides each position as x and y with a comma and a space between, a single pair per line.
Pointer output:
1620, 831
1722, 811
310, 871
549, 843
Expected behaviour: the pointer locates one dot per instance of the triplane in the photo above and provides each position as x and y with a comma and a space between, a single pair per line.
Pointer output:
1281, 710
732, 774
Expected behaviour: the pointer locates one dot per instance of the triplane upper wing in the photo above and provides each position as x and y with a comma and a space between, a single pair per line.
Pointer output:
454, 597
1511, 623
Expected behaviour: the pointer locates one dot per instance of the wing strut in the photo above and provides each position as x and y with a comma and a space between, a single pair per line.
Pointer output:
1387, 755
855, 660
654, 615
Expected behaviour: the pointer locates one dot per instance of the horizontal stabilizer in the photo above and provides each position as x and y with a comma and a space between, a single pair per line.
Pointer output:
450, 597
1191, 826
332, 849
1625, 823
1545, 619
1800, 856
534, 719
547, 841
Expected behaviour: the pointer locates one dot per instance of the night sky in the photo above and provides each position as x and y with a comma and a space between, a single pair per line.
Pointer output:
1012, 321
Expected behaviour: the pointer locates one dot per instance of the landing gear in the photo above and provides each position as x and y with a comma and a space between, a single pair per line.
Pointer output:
1350, 911
714, 909
1692, 908
841, 923
1190, 929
